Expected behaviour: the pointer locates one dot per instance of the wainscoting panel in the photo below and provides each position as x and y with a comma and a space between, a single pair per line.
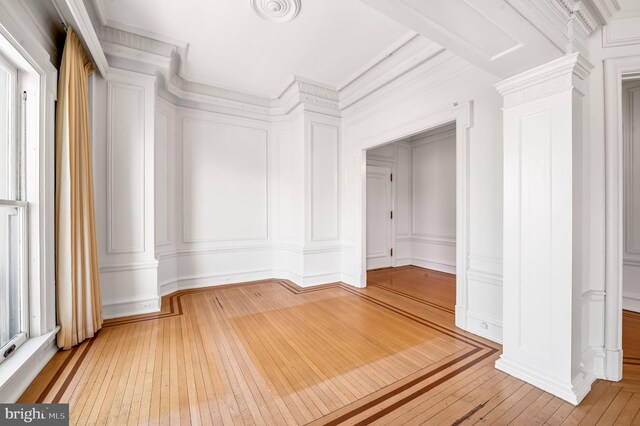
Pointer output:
225, 181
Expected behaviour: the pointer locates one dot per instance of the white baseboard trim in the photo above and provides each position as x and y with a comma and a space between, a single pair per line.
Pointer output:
461, 317
593, 360
211, 280
171, 286
441, 267
484, 326
22, 367
573, 393
125, 308
613, 364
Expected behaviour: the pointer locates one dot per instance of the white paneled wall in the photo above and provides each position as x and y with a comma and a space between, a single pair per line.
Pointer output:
631, 137
123, 134
224, 181
433, 230
230, 198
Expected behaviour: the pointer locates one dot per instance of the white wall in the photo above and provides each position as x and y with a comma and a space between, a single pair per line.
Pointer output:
631, 197
433, 229
123, 113
403, 108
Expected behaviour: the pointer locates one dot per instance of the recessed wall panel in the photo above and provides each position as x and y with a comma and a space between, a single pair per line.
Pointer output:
224, 181
535, 237
324, 182
126, 169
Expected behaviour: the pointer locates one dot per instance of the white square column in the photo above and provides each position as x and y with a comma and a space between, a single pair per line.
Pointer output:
543, 247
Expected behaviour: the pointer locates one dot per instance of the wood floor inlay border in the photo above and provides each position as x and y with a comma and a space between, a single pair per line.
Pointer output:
362, 411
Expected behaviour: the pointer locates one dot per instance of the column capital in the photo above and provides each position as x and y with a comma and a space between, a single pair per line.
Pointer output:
565, 73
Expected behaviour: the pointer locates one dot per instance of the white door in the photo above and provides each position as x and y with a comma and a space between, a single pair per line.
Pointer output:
379, 217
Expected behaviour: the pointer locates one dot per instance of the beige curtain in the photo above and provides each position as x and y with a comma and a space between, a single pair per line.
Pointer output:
77, 274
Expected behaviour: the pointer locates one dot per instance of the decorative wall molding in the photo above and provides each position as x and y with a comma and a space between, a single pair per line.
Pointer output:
260, 144
441, 240
127, 49
324, 141
74, 11
106, 268
484, 277
623, 30
276, 10
117, 146
566, 72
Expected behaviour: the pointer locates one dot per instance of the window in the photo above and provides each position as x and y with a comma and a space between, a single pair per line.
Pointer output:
13, 215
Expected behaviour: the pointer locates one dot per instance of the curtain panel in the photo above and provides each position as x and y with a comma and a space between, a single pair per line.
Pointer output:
79, 306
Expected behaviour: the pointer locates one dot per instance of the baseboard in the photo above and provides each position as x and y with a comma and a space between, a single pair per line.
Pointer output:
594, 361
573, 393
441, 267
484, 326
613, 364
22, 367
403, 262
171, 286
125, 308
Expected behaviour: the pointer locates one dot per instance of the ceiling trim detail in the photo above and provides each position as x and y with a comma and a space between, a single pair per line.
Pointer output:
140, 53
276, 10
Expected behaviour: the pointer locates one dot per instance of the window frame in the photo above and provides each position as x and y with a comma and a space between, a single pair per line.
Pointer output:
15, 198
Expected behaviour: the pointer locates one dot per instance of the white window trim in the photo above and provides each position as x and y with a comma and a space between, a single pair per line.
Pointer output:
38, 77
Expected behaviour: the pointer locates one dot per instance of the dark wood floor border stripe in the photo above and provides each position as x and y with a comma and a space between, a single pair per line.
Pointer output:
393, 392
424, 321
176, 299
57, 374
424, 390
412, 297
175, 309
73, 372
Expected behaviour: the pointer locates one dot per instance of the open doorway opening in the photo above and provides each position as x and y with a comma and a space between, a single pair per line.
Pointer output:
411, 215
631, 229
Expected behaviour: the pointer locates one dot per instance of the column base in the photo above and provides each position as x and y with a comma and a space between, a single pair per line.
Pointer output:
573, 393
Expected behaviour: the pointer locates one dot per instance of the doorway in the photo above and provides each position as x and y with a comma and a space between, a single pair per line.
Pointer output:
631, 229
461, 115
411, 202
617, 72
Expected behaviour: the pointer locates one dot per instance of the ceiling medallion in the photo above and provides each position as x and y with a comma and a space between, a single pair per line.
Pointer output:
276, 10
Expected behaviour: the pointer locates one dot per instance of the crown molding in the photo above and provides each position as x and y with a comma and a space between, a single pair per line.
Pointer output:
138, 52
567, 72
134, 50
76, 15
566, 23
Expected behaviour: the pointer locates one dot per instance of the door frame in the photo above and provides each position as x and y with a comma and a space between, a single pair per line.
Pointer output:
615, 71
392, 203
462, 115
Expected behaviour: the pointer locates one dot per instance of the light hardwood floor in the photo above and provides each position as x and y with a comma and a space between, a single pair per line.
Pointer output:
270, 352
